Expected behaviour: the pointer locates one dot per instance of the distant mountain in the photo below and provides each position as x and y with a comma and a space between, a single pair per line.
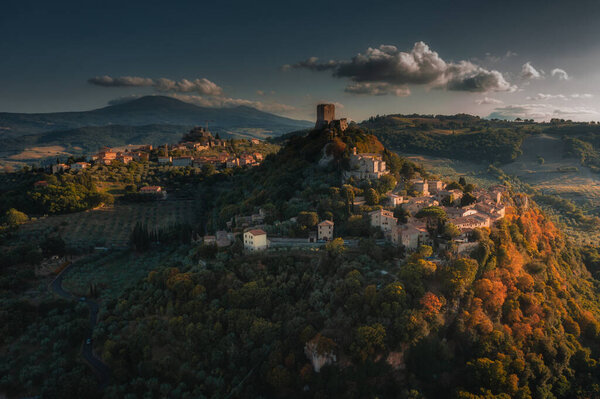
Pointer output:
158, 110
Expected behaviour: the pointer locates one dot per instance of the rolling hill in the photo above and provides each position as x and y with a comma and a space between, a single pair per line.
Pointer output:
151, 119
146, 111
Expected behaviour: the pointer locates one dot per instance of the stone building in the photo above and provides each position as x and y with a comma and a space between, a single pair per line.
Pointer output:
366, 166
326, 118
325, 230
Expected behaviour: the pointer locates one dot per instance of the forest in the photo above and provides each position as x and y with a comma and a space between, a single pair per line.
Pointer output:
519, 319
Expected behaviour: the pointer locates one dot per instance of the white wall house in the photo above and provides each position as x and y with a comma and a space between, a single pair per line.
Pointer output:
395, 199
325, 230
255, 240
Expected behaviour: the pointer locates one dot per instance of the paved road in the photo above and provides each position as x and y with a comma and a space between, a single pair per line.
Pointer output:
280, 242
87, 350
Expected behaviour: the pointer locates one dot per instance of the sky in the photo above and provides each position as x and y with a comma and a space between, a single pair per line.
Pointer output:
505, 59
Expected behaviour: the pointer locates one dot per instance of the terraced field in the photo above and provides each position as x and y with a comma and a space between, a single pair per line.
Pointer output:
450, 169
110, 226
543, 166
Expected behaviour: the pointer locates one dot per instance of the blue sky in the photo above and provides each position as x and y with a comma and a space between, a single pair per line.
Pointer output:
533, 59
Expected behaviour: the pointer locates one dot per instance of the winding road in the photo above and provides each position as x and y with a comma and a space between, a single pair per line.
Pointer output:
87, 352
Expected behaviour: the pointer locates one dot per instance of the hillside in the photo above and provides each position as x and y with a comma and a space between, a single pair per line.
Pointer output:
518, 317
462, 137
515, 316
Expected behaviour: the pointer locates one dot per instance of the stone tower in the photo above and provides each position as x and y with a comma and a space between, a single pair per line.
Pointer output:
325, 114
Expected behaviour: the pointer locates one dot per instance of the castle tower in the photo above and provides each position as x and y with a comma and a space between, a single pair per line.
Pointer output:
325, 114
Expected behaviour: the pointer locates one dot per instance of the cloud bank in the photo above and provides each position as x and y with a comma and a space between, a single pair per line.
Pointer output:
386, 65
487, 101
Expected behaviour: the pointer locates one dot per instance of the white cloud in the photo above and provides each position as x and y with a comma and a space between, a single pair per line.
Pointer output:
466, 76
529, 72
421, 65
544, 112
583, 95
542, 97
200, 86
561, 74
223, 102
488, 100
377, 89
123, 81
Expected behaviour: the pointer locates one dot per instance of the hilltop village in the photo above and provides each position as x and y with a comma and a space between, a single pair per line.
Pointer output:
408, 214
402, 210
196, 149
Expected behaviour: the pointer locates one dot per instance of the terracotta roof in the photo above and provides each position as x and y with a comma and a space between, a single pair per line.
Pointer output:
151, 188
326, 222
256, 232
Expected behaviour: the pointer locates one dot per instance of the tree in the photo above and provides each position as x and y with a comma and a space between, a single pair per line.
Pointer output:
14, 218
431, 304
308, 219
468, 188
434, 215
371, 196
53, 245
357, 226
460, 275
368, 340
208, 169
448, 200
453, 186
387, 183
401, 214
467, 199
140, 237
348, 196
335, 247
450, 231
